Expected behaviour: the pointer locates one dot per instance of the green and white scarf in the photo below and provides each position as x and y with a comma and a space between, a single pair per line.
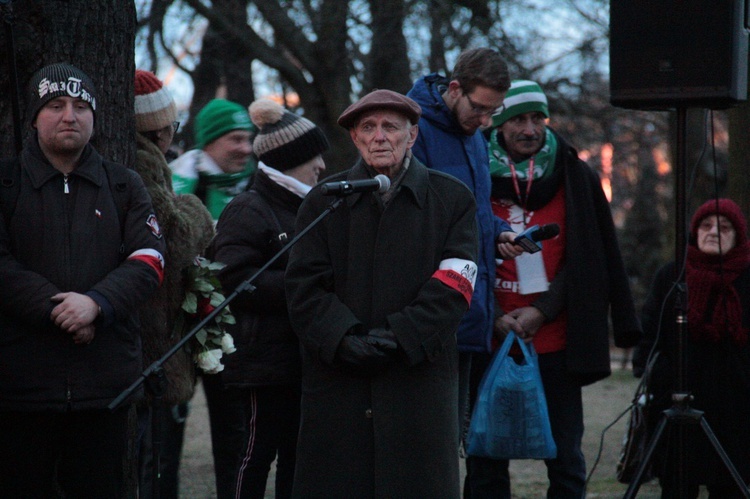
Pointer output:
544, 160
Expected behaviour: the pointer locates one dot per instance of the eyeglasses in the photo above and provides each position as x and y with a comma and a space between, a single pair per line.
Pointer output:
480, 110
175, 126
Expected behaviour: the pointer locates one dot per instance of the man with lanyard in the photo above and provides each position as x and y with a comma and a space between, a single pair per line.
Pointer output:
561, 298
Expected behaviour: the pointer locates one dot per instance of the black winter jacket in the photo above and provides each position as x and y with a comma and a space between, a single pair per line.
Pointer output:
250, 231
717, 376
57, 242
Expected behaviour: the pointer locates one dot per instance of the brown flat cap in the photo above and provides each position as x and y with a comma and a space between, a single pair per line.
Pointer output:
380, 99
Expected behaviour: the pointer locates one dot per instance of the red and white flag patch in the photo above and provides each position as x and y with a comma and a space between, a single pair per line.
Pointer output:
153, 224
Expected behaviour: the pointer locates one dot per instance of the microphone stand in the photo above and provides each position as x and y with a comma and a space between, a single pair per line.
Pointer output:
153, 376
681, 413
7, 7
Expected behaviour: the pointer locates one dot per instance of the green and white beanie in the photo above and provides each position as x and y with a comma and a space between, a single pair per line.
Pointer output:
219, 117
524, 96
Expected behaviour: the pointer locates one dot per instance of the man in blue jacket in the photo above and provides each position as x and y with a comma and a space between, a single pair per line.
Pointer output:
453, 111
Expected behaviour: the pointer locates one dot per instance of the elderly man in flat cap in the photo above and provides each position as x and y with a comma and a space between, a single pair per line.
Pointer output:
376, 292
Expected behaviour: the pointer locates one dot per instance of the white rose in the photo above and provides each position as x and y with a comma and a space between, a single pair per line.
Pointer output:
210, 361
227, 343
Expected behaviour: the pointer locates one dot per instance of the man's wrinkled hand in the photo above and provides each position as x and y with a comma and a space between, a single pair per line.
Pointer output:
524, 321
498, 330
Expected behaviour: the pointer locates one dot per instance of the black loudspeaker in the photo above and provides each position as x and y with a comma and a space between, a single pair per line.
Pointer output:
678, 53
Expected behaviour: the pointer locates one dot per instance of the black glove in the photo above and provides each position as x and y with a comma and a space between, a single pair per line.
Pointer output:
368, 353
383, 339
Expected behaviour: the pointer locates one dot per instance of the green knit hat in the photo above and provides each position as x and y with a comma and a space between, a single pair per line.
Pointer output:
524, 96
218, 118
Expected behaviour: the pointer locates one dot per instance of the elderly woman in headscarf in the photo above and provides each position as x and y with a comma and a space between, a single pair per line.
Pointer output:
717, 373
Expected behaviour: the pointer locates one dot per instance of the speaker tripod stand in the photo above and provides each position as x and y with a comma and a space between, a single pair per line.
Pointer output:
681, 414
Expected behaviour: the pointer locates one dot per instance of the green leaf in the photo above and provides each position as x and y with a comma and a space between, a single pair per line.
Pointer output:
202, 286
217, 299
202, 336
214, 329
190, 303
214, 342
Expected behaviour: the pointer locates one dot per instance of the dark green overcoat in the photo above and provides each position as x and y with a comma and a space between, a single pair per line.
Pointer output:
393, 434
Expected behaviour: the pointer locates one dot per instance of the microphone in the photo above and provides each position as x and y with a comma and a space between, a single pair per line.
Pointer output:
530, 239
380, 183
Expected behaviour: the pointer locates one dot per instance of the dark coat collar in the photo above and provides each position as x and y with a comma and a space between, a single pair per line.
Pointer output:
415, 180
40, 170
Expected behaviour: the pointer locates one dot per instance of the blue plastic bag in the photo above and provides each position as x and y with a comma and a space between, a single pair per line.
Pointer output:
510, 418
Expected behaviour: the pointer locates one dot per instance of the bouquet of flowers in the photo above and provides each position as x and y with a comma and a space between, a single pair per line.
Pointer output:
202, 296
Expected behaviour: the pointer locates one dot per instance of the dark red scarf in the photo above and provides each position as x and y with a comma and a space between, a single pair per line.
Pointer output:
709, 282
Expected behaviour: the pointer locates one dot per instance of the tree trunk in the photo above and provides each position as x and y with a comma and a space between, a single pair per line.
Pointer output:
738, 179
646, 231
224, 69
389, 64
438, 15
96, 37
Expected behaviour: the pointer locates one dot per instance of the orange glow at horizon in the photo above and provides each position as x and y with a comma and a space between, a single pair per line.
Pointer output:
605, 154
289, 100
663, 167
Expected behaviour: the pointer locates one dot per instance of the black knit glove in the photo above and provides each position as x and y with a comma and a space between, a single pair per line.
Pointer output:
383, 339
368, 353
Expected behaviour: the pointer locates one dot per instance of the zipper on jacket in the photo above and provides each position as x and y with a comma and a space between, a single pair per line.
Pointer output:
66, 189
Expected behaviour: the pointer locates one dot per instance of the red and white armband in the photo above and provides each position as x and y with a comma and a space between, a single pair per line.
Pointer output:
152, 258
458, 274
